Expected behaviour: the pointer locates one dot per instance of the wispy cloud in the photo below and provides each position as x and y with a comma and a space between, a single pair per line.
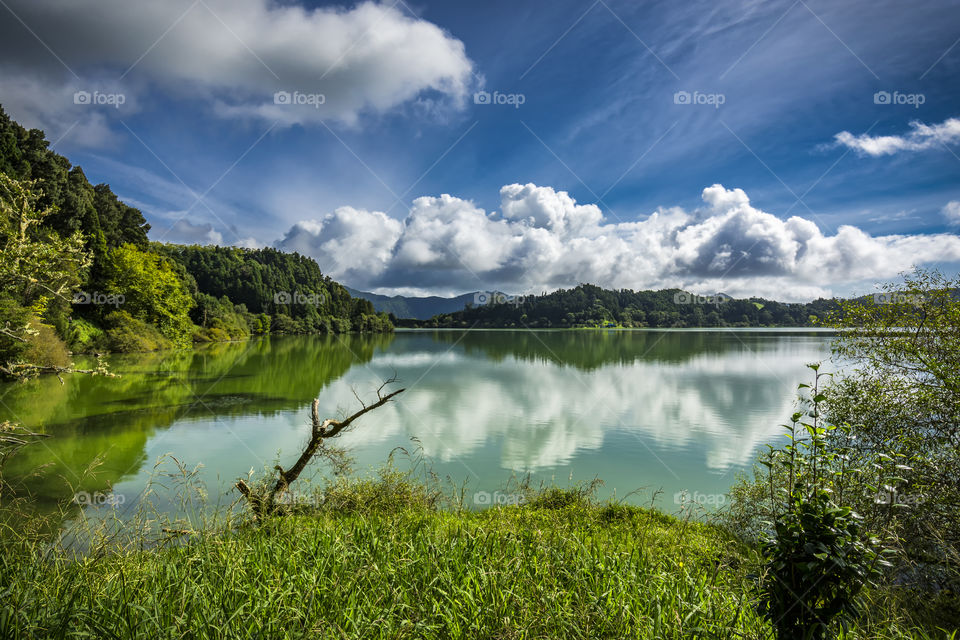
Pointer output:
920, 138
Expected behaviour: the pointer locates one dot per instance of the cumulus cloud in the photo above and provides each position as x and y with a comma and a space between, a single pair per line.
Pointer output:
919, 138
370, 58
352, 243
543, 239
951, 211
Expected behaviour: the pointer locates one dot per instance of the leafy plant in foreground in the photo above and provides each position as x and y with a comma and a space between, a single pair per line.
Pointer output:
818, 557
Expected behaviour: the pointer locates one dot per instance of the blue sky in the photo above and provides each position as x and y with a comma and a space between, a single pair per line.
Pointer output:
634, 110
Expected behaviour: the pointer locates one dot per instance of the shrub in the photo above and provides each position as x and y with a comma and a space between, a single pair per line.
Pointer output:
44, 348
84, 336
126, 333
817, 556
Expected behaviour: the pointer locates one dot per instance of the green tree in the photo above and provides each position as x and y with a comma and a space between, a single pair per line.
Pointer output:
903, 394
39, 271
154, 290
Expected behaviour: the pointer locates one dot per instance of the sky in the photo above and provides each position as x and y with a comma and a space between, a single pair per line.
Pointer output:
789, 149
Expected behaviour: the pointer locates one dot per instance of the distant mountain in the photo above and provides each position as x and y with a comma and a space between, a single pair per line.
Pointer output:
413, 307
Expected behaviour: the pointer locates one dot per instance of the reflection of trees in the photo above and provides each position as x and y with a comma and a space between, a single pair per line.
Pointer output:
89, 416
590, 349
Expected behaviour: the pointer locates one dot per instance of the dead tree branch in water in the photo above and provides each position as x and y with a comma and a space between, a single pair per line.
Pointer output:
265, 503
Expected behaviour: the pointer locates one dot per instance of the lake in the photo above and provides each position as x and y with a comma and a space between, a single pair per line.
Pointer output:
657, 410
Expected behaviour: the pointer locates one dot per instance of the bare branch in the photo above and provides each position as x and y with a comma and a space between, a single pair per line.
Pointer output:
320, 430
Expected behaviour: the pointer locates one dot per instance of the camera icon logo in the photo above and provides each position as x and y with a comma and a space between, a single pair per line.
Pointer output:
681, 97
481, 297
481, 497
481, 97
281, 97
282, 297
81, 297
682, 297
81, 97
881, 97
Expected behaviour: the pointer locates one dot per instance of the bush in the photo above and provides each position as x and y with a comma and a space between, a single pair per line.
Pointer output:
44, 348
83, 336
818, 558
126, 333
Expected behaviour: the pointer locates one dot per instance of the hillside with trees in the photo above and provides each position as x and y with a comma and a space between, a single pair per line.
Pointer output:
79, 274
591, 306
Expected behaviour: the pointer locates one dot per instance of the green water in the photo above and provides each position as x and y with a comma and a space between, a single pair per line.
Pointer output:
673, 410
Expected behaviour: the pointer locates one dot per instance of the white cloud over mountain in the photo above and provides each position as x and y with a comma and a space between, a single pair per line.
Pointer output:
233, 55
543, 239
920, 138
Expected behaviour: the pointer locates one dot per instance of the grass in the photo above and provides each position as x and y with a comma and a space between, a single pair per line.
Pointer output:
380, 558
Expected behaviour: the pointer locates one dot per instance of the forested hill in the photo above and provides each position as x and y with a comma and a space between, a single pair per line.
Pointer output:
95, 211
77, 272
591, 306
282, 285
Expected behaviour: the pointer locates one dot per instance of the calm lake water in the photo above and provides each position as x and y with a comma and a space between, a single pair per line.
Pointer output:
670, 410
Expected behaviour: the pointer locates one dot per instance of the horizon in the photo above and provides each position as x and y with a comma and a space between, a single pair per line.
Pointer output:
789, 150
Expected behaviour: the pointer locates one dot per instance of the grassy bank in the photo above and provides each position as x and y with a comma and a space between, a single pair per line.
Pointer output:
379, 559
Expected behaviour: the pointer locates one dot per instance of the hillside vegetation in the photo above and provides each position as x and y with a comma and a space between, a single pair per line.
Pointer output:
79, 273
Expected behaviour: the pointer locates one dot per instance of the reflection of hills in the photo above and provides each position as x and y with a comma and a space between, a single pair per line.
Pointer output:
88, 416
721, 402
590, 349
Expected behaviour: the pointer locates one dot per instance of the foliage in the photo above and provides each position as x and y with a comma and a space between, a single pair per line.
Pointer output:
818, 556
154, 290
903, 394
35, 264
129, 334
44, 348
82, 335
270, 283
590, 306
75, 205
381, 558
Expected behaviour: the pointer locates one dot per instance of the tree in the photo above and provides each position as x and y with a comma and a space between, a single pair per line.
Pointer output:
39, 272
154, 290
36, 265
903, 394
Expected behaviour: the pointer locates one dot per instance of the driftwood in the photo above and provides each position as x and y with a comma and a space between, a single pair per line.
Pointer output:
264, 503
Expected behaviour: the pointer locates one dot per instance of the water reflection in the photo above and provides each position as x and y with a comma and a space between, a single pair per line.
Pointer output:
672, 409
557, 394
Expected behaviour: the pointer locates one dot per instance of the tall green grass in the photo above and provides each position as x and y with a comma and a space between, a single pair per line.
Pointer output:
388, 557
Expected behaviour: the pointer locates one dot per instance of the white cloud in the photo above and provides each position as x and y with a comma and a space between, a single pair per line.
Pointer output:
189, 233
543, 239
231, 54
951, 211
919, 138
350, 242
